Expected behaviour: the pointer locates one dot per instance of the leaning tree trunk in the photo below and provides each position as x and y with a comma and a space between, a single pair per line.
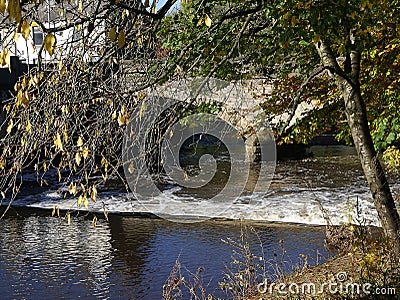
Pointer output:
349, 85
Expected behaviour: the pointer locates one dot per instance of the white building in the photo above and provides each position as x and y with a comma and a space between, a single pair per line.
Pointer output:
77, 40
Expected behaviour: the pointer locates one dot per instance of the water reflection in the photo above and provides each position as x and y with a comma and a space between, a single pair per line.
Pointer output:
44, 258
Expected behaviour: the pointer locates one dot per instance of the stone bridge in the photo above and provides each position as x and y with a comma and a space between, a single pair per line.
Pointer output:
240, 105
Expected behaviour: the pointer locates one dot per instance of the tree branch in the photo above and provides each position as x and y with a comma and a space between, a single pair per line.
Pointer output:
329, 62
157, 16
299, 93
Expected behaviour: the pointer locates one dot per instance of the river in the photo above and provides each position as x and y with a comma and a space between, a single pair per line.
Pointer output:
41, 257
130, 258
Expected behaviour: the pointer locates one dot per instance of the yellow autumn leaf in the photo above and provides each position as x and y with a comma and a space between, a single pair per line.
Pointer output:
104, 162
57, 142
131, 168
25, 29
16, 36
93, 194
72, 189
2, 6
112, 34
200, 21
23, 143
28, 127
49, 43
22, 98
207, 20
54, 211
85, 202
94, 221
142, 109
80, 200
19, 98
121, 39
24, 81
64, 109
79, 142
65, 134
68, 218
83, 188
80, 7
123, 116
25, 99
10, 126
85, 153
7, 59
139, 39
140, 96
2, 164
121, 119
78, 158
3, 57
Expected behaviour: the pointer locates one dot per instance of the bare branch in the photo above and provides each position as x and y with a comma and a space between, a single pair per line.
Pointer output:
299, 93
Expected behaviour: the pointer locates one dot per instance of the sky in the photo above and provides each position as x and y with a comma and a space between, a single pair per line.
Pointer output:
162, 2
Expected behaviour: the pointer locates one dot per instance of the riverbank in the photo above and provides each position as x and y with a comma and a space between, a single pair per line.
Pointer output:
363, 269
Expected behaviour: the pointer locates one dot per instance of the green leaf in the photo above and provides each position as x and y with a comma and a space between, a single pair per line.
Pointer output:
391, 137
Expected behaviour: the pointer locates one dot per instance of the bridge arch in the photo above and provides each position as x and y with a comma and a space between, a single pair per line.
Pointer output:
236, 106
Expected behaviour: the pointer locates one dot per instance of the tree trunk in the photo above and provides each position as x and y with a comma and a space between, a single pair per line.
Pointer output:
356, 114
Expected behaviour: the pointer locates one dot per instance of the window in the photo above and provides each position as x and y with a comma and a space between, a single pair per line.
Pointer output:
37, 36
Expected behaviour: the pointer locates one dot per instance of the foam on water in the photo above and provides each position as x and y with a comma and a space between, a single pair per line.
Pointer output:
296, 206
299, 193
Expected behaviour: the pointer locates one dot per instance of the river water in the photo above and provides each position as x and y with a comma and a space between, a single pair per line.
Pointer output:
130, 258
41, 257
